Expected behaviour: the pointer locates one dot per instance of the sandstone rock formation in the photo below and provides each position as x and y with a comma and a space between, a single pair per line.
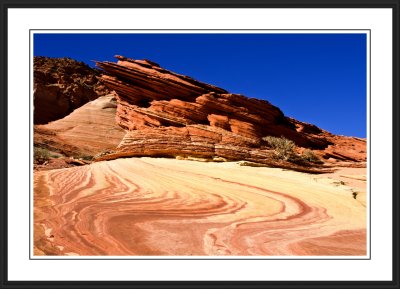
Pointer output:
61, 85
167, 114
161, 207
171, 207
87, 131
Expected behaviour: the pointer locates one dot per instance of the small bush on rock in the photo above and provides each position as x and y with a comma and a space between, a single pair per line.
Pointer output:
40, 155
283, 147
310, 156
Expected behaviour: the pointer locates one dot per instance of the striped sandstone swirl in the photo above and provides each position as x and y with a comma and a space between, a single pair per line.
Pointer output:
153, 206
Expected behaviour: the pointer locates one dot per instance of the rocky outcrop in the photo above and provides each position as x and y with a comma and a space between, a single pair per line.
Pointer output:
61, 85
150, 96
87, 131
167, 114
341, 148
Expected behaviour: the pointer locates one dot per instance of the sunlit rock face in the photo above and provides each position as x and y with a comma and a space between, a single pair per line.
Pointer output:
168, 114
89, 130
225, 203
167, 207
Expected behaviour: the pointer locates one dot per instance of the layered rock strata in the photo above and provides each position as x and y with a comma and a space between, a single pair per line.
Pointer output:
167, 114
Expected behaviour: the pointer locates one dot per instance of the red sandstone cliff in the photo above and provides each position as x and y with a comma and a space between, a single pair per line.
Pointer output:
167, 114
157, 112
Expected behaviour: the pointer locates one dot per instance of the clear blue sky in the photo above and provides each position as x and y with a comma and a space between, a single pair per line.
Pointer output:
316, 78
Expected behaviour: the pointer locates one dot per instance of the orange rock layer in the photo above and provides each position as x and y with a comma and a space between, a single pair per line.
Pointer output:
167, 114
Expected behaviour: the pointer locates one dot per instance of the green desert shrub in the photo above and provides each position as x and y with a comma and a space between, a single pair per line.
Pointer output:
298, 160
86, 158
310, 156
83, 156
40, 155
283, 147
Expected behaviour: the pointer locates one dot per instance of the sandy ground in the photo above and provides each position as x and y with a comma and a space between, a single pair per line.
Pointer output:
159, 207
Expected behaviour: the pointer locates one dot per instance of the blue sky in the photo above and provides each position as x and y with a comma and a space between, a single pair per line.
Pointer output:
316, 78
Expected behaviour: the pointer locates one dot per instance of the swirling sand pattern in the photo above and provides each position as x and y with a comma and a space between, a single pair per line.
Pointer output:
159, 207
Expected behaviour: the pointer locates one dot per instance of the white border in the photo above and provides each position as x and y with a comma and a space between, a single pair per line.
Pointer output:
378, 20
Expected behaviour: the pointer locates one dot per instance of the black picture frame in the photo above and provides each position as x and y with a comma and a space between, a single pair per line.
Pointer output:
5, 158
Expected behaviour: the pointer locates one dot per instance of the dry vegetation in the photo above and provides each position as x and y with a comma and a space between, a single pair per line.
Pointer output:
284, 149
